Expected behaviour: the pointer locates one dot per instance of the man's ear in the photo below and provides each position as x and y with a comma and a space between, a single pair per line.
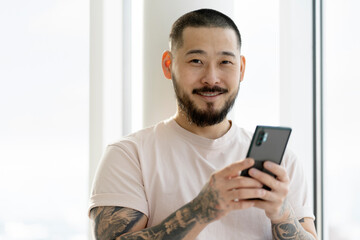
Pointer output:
242, 67
166, 64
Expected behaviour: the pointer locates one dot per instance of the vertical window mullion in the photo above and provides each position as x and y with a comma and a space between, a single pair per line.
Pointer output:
318, 115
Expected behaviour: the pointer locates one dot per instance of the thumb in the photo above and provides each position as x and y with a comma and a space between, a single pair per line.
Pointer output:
235, 168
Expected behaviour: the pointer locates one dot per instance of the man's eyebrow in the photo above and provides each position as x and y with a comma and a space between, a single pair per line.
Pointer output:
227, 53
195, 51
199, 51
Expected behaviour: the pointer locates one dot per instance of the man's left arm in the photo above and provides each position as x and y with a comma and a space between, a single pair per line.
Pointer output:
292, 228
284, 223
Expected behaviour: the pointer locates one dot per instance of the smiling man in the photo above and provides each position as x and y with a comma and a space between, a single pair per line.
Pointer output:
180, 178
206, 72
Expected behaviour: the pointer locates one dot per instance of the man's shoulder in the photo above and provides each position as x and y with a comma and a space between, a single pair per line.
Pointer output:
141, 142
143, 135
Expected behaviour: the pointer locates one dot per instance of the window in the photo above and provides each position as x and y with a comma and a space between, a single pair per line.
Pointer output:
44, 119
341, 89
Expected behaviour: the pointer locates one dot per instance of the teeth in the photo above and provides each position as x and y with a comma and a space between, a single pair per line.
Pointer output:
208, 94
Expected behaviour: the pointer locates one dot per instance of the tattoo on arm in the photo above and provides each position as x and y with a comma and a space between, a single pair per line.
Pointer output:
176, 226
202, 210
290, 229
206, 205
110, 222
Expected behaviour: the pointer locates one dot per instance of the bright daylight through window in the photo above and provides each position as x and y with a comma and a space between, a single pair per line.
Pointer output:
44, 119
341, 120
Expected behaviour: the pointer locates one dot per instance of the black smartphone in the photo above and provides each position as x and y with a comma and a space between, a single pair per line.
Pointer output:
268, 144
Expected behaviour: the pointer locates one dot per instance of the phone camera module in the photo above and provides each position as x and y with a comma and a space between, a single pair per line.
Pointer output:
260, 138
265, 137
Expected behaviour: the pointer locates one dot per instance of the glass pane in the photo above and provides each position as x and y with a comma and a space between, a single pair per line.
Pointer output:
44, 119
341, 119
260, 89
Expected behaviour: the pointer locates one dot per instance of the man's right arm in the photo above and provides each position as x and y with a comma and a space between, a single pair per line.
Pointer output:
109, 222
125, 223
215, 200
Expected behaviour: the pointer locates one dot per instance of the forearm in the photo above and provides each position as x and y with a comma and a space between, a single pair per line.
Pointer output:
290, 228
182, 224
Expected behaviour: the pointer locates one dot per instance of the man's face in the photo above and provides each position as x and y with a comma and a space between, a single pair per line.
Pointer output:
206, 74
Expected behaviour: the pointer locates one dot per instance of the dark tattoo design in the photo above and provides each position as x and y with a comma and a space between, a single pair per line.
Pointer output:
118, 223
290, 229
207, 204
110, 222
176, 227
203, 209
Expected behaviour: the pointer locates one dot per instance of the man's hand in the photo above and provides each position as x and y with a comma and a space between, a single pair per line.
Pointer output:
277, 208
227, 191
274, 202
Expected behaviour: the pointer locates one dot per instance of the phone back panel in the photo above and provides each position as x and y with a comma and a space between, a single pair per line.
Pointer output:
268, 144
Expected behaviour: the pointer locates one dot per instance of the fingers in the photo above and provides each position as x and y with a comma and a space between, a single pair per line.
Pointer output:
268, 180
236, 167
278, 170
245, 194
240, 192
243, 182
273, 201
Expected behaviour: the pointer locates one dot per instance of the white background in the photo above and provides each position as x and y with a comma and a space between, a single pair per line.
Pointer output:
44, 91
341, 119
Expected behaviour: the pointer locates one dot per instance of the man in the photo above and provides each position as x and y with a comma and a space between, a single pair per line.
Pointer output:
180, 179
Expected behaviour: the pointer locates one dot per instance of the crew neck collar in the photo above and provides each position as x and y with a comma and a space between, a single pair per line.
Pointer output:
199, 140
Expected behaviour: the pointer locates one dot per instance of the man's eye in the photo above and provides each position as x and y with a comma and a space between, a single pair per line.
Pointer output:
196, 61
225, 62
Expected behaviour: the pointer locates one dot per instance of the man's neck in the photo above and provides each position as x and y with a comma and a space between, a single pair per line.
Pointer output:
211, 132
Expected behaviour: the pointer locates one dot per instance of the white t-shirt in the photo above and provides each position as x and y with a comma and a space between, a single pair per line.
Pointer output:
159, 169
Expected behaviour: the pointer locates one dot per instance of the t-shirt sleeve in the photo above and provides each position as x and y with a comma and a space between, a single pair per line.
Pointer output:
298, 195
118, 180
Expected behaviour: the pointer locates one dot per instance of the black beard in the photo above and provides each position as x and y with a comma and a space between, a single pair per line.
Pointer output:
207, 117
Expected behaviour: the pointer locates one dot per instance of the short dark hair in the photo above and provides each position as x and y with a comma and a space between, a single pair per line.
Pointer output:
200, 18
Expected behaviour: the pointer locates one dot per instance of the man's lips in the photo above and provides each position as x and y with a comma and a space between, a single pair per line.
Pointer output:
210, 92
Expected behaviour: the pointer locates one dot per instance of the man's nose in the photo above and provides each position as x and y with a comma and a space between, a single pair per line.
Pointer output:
210, 76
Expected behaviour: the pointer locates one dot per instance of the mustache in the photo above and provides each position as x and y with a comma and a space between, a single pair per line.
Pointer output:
210, 89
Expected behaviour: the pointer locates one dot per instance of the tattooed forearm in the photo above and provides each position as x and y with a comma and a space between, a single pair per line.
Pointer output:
177, 226
186, 222
206, 205
290, 229
110, 222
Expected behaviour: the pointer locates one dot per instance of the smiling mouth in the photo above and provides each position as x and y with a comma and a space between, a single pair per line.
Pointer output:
210, 92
